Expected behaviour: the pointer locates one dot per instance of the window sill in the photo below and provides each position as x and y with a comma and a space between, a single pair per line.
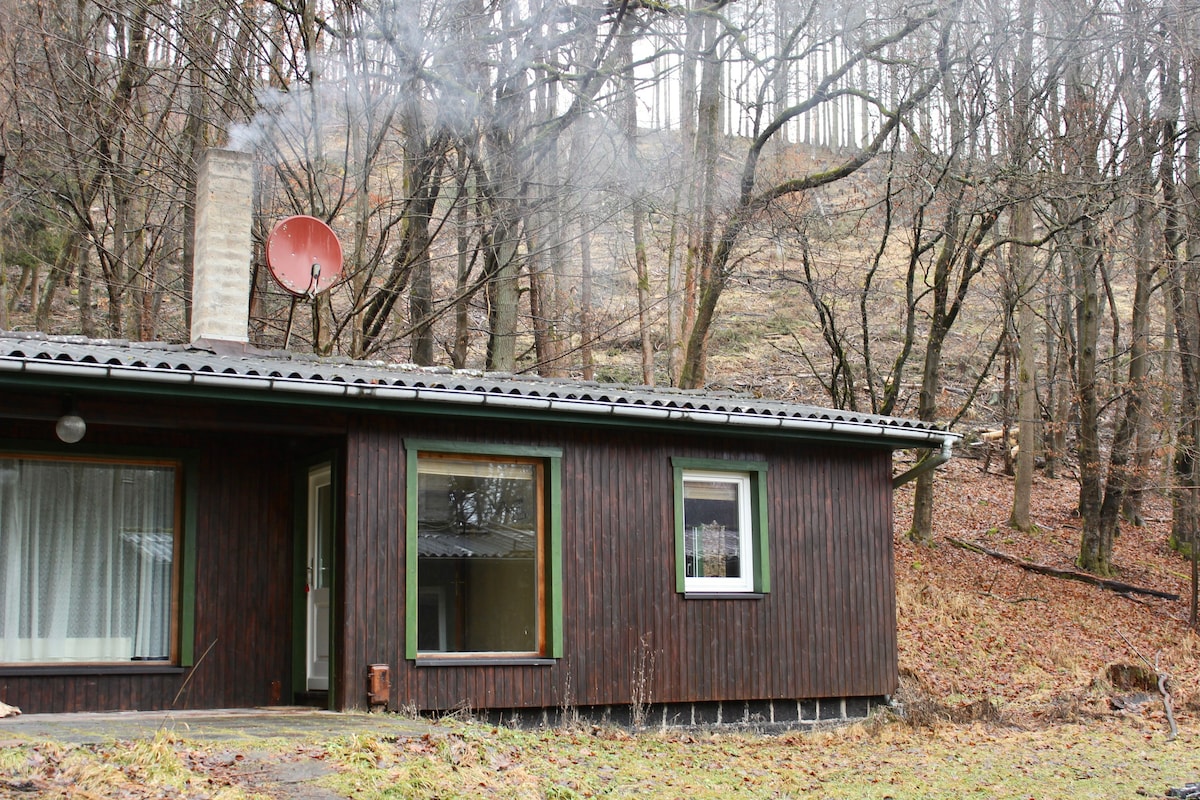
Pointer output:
724, 595
48, 670
483, 661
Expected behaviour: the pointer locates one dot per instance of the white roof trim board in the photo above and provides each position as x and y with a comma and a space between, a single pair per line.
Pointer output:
231, 366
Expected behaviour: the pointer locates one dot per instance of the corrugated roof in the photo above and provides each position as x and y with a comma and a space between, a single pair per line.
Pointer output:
238, 367
478, 543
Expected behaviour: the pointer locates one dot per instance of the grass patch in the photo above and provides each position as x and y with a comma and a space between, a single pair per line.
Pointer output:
130, 769
879, 759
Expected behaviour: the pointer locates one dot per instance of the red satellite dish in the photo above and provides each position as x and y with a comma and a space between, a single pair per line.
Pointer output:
304, 255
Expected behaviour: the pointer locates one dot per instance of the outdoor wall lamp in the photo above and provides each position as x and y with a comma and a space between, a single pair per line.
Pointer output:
70, 426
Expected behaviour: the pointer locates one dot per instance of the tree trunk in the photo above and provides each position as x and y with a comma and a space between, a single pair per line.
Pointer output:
683, 292
1180, 278
703, 278
1095, 549
1028, 411
462, 251
1059, 370
1124, 474
580, 146
643, 292
957, 245
420, 301
3, 226
322, 324
1024, 279
542, 245
922, 519
503, 295
587, 325
627, 112
87, 319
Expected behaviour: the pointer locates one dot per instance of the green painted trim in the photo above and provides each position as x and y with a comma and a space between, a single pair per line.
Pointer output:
718, 464
480, 448
554, 567
554, 516
112, 386
410, 552
760, 536
680, 551
187, 576
299, 557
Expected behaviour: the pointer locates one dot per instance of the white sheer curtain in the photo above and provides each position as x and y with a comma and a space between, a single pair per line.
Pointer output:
86, 561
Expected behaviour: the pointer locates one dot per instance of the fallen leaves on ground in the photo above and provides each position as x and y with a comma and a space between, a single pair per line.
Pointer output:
972, 628
1110, 758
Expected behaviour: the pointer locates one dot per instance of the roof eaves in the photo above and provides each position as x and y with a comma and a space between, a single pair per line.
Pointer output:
501, 391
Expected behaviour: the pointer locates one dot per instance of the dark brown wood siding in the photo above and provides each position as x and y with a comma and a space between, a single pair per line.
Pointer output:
244, 570
826, 628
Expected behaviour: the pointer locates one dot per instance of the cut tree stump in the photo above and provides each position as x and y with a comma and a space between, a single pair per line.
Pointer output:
1066, 574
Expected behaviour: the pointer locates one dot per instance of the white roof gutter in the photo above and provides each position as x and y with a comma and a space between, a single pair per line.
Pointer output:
932, 461
901, 436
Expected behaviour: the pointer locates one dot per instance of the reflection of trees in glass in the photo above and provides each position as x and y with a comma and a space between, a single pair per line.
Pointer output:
478, 558
710, 518
712, 551
477, 509
481, 502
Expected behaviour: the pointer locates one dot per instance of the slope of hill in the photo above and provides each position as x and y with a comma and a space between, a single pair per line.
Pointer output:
980, 637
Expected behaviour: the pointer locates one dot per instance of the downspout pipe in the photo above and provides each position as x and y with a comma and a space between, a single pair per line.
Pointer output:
932, 461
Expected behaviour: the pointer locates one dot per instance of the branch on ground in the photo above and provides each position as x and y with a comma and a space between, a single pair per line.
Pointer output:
1066, 574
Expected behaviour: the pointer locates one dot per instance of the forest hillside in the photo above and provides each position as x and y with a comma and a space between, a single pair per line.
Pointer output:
984, 639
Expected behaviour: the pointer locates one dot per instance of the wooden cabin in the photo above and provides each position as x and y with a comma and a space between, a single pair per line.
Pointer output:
213, 526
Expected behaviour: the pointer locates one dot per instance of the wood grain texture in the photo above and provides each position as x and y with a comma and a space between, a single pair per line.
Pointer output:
244, 573
826, 628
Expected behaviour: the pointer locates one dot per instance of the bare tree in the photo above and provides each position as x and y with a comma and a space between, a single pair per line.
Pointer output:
861, 42
1021, 128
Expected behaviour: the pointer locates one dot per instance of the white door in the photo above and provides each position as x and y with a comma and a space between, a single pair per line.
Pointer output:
319, 575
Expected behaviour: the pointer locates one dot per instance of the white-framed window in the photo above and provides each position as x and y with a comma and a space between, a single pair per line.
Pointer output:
720, 527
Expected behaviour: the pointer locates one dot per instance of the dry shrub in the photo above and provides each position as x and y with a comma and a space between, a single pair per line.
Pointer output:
914, 703
984, 710
1131, 678
920, 707
1071, 707
939, 606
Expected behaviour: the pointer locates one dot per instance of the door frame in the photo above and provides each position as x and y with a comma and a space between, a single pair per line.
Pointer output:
300, 507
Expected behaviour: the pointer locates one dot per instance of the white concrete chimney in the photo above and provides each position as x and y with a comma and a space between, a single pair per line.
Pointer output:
221, 273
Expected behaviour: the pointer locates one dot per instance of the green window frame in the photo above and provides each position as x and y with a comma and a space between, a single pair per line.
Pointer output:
128, 549
545, 464
748, 482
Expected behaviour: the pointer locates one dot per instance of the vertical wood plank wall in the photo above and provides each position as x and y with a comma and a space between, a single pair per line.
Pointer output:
826, 629
243, 620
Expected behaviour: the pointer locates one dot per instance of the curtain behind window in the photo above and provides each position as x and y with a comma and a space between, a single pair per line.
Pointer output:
86, 561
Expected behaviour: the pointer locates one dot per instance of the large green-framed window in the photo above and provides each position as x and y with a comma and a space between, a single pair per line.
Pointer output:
721, 534
483, 551
94, 564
